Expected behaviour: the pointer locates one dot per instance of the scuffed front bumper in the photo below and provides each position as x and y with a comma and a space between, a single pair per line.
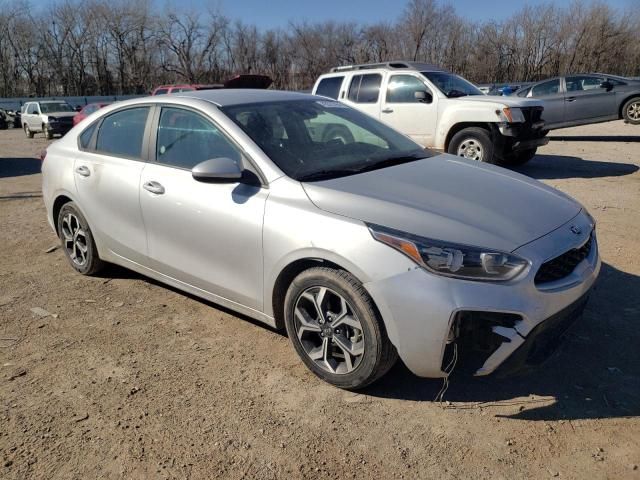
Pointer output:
420, 309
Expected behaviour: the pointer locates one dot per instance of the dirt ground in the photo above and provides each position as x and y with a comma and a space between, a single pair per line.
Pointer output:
127, 378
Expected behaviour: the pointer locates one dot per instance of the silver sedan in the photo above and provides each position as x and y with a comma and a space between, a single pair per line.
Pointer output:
308, 215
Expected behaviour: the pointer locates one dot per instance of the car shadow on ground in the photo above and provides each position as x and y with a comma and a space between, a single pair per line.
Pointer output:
595, 374
595, 138
17, 167
551, 167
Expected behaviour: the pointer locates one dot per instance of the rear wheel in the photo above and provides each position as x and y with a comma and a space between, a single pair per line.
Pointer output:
631, 111
473, 143
336, 329
77, 240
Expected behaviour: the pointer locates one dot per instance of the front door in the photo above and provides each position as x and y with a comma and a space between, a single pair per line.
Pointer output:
585, 99
412, 116
208, 235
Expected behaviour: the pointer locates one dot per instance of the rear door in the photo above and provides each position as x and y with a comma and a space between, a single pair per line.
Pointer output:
407, 114
107, 173
207, 235
586, 100
32, 113
552, 94
363, 93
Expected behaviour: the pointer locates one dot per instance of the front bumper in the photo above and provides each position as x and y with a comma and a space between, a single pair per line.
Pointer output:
420, 309
60, 128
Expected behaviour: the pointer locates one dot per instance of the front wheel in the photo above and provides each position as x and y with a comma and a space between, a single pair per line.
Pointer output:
47, 133
631, 111
27, 131
336, 329
473, 143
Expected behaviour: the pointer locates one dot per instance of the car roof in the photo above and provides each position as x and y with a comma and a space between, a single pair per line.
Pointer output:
241, 96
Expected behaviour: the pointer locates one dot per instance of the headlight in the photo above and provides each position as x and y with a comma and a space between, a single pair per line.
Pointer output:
451, 259
510, 115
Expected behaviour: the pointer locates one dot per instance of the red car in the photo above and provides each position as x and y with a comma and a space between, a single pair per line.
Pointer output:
86, 111
239, 81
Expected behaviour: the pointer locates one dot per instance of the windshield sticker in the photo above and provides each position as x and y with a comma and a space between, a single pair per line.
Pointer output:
330, 104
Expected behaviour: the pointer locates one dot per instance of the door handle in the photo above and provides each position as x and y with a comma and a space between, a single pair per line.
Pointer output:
153, 187
84, 171
570, 99
387, 110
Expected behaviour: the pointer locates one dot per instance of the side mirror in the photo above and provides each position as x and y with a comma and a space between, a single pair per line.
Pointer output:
221, 169
606, 84
423, 97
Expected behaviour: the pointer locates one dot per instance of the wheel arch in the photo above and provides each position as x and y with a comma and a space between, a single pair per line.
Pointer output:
458, 127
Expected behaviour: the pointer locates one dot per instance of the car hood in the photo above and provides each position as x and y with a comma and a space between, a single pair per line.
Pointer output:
500, 100
449, 198
61, 114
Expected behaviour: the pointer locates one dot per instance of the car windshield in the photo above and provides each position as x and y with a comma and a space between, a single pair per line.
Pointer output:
321, 139
452, 85
51, 107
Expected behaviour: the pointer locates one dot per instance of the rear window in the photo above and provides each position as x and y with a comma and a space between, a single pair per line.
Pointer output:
330, 87
121, 133
365, 88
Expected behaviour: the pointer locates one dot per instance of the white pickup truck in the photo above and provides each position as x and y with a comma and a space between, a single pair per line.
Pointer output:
439, 110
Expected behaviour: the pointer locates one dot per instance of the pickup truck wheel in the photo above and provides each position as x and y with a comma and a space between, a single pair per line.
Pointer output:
339, 133
519, 158
47, 133
28, 132
473, 143
631, 111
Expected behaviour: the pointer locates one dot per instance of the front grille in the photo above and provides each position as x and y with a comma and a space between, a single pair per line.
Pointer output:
532, 114
562, 266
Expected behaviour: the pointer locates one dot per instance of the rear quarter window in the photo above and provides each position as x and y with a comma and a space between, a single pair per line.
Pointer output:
330, 87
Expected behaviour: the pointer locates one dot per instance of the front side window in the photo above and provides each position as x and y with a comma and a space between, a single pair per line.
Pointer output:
402, 89
122, 133
581, 83
330, 87
319, 139
365, 88
33, 109
547, 88
186, 138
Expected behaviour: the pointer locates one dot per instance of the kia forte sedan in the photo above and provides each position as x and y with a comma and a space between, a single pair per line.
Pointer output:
365, 247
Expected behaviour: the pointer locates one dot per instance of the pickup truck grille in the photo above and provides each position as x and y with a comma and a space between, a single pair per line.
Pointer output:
563, 265
532, 114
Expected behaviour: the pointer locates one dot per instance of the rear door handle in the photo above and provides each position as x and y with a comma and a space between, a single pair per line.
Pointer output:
153, 187
570, 99
387, 110
84, 171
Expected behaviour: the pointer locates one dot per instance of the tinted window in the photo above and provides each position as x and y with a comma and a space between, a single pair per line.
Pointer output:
122, 133
329, 87
365, 88
85, 136
547, 88
52, 107
32, 108
402, 89
523, 92
186, 138
452, 85
581, 83
321, 139
161, 91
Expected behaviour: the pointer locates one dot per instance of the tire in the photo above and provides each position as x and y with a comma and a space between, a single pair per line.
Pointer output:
28, 132
77, 240
631, 111
519, 158
359, 327
48, 134
338, 132
473, 143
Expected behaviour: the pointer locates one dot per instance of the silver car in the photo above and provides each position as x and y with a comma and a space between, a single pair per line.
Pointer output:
364, 246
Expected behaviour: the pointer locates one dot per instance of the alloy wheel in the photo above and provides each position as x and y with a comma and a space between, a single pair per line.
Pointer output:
74, 239
470, 148
633, 111
328, 330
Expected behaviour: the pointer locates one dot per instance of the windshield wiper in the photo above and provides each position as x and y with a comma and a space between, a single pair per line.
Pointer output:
328, 174
456, 93
391, 161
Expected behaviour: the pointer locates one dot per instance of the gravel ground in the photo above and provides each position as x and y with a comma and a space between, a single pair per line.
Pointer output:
117, 376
